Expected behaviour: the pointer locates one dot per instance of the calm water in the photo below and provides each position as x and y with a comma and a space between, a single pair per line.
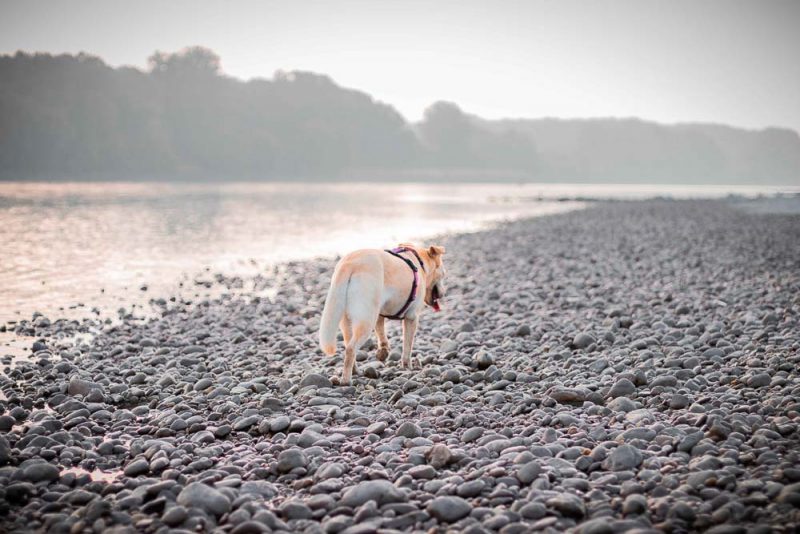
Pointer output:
70, 247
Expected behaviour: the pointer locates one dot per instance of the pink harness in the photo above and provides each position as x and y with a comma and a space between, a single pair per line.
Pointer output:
413, 295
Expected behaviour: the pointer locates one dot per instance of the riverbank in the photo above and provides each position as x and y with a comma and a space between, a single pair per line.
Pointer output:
631, 365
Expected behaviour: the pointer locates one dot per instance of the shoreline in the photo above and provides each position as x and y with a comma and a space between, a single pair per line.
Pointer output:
628, 365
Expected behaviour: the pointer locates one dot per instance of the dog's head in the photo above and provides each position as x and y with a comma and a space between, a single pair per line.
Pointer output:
434, 275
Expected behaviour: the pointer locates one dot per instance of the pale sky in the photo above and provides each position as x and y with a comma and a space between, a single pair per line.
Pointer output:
728, 61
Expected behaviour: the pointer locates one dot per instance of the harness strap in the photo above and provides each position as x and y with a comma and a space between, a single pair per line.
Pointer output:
413, 294
414, 252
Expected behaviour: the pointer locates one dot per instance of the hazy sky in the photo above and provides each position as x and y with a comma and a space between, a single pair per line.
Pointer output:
730, 61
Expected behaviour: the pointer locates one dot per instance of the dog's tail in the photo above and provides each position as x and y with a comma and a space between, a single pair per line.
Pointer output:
332, 313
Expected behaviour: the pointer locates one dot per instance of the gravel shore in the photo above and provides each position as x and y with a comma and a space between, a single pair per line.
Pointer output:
629, 367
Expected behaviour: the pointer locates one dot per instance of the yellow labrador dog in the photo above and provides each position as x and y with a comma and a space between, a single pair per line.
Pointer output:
370, 286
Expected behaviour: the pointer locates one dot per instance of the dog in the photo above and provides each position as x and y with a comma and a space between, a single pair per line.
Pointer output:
370, 286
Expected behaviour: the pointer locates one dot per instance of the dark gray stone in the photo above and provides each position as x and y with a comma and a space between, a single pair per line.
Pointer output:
448, 509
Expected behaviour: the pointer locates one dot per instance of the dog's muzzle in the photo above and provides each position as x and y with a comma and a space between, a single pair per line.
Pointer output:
436, 295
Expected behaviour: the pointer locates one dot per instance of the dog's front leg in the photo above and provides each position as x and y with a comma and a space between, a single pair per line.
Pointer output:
409, 329
383, 341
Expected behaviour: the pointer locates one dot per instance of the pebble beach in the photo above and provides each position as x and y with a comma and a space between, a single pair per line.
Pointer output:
630, 367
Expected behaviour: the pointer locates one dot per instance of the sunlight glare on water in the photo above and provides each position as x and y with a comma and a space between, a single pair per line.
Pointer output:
99, 244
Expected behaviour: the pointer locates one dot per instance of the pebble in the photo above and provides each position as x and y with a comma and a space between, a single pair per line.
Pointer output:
583, 340
449, 509
623, 458
40, 472
78, 386
174, 516
483, 360
291, 459
408, 430
472, 434
567, 395
568, 504
206, 498
137, 467
7, 423
316, 380
759, 381
622, 388
380, 491
529, 472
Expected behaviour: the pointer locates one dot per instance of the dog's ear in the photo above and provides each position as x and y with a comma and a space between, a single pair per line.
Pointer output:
435, 250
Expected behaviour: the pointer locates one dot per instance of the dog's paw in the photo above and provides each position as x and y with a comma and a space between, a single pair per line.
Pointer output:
338, 381
382, 354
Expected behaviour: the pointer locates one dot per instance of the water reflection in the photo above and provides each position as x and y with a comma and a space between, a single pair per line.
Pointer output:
108, 245
105, 244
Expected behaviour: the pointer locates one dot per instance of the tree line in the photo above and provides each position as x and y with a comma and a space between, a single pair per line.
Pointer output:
66, 117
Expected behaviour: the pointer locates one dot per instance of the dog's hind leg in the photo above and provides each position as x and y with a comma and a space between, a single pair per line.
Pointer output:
363, 305
409, 329
347, 334
383, 341
361, 332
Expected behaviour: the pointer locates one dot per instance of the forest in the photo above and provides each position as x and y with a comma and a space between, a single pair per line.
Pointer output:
73, 117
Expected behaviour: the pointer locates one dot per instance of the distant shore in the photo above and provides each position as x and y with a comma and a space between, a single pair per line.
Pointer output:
629, 365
